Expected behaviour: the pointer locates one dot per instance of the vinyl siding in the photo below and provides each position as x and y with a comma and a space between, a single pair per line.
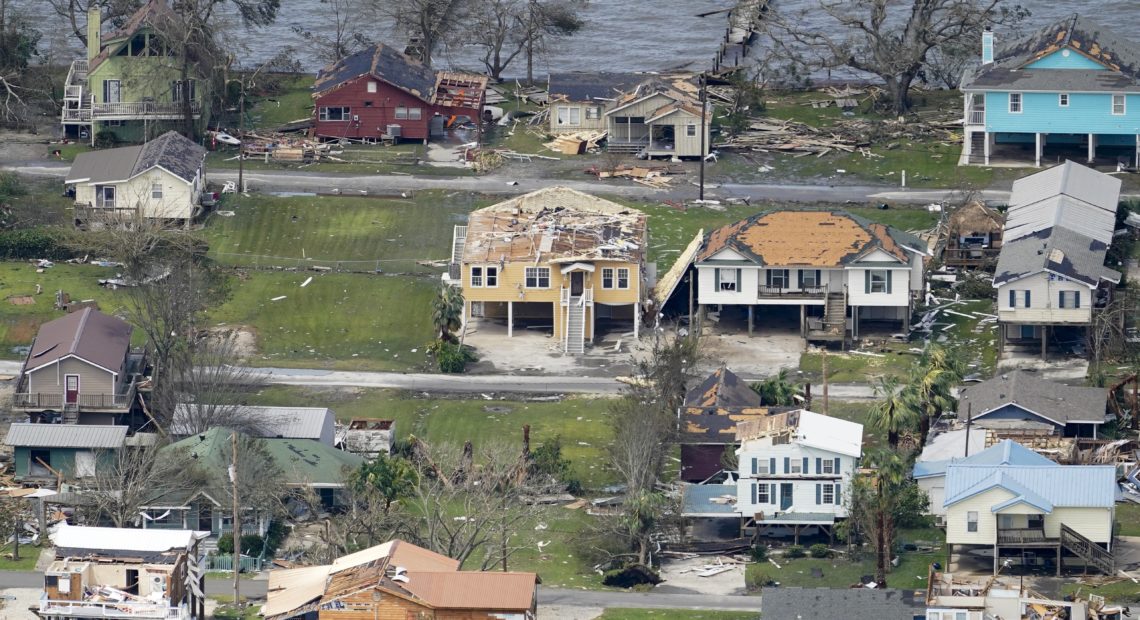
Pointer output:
935, 488
177, 202
92, 380
584, 124
375, 118
60, 459
803, 492
1066, 59
751, 279
1093, 523
956, 528
1013, 412
900, 288
139, 77
1087, 113
1044, 298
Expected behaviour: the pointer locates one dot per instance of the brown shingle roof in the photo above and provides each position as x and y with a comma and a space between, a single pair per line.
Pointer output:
147, 15
491, 590
806, 238
88, 334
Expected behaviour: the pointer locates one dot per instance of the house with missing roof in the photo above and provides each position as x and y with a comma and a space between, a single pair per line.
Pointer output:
1071, 89
828, 272
81, 369
130, 82
399, 580
161, 180
380, 93
968, 596
1008, 502
1021, 400
579, 99
1051, 275
555, 259
106, 572
844, 604
973, 238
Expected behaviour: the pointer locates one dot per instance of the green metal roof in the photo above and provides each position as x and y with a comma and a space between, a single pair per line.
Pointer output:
304, 462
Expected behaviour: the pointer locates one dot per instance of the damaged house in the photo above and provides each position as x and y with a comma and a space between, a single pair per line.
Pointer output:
379, 93
973, 237
829, 272
1050, 274
579, 100
554, 259
1021, 400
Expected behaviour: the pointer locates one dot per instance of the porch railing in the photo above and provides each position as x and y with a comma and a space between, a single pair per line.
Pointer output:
1024, 536
94, 402
779, 291
142, 109
977, 117
104, 609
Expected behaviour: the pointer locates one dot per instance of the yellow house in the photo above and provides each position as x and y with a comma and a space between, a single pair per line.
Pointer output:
554, 258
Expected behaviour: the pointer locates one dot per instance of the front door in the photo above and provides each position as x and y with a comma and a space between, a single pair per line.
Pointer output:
577, 280
71, 389
205, 517
785, 496
112, 91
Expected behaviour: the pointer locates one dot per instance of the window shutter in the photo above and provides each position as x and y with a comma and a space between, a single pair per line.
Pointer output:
755, 466
890, 276
787, 465
739, 283
837, 495
754, 494
818, 494
804, 469
716, 275
867, 281
767, 277
1012, 298
1027, 298
1077, 298
801, 277
1061, 299
772, 466
818, 278
837, 466
772, 494
818, 465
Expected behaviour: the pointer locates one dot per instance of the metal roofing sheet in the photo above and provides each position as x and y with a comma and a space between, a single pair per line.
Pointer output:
274, 422
477, 590
1071, 179
89, 436
1060, 210
122, 539
1077, 486
816, 430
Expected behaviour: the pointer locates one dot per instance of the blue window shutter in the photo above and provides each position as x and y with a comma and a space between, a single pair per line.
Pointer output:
804, 469
739, 283
1012, 298
818, 494
801, 277
1027, 298
772, 466
772, 494
767, 277
1061, 299
1077, 296
837, 466
838, 497
818, 465
755, 466
754, 494
890, 276
787, 465
716, 276
867, 281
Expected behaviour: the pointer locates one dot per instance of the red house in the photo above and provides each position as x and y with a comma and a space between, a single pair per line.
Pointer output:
380, 93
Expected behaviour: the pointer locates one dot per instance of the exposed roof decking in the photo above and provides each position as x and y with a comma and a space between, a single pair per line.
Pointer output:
555, 225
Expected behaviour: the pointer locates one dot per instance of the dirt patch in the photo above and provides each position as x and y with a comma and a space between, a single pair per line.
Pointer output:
22, 329
16, 146
21, 300
565, 612
244, 340
683, 576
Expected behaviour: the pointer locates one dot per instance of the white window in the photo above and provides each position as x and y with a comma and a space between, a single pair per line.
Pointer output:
778, 278
760, 466
878, 281
569, 115
607, 277
1020, 299
492, 276
335, 113
971, 521
411, 114
1015, 103
762, 494
538, 277
827, 466
1070, 299
156, 191
690, 130
372, 87
1063, 100
810, 278
795, 466
593, 113
623, 277
1118, 105
476, 277
828, 494
726, 279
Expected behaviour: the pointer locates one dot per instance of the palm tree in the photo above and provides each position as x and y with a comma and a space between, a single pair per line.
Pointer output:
777, 390
447, 311
894, 412
931, 384
890, 474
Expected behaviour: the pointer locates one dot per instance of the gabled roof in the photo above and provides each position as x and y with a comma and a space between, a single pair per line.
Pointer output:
303, 462
149, 14
1053, 401
490, 590
272, 422
1069, 195
714, 408
722, 388
976, 217
171, 151
89, 335
96, 539
85, 436
402, 553
1004, 453
807, 428
809, 239
1030, 478
591, 85
842, 604
1056, 250
384, 63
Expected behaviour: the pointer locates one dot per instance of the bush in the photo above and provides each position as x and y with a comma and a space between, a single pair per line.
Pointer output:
452, 358
820, 550
106, 139
795, 551
630, 576
226, 544
547, 460
759, 553
28, 243
251, 544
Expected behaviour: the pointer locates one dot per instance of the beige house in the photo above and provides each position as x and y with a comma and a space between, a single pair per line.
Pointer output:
556, 259
160, 180
579, 100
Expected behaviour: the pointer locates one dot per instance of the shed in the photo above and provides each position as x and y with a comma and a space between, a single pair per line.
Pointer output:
46, 452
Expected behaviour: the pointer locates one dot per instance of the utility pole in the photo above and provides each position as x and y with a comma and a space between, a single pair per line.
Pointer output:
235, 521
704, 131
241, 139
969, 419
824, 379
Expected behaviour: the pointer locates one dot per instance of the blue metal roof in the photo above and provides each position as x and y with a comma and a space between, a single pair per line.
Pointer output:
1043, 486
1005, 453
698, 499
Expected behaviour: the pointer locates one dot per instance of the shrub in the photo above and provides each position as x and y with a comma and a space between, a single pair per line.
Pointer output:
251, 544
106, 139
226, 544
793, 552
27, 243
759, 553
819, 550
452, 358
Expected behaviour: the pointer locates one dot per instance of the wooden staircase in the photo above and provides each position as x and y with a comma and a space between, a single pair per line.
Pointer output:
978, 147
576, 327
835, 311
1087, 550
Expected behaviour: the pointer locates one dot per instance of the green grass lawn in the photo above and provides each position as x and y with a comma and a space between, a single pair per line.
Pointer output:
559, 563
1128, 519
1121, 592
840, 572
846, 367
28, 557
675, 614
294, 101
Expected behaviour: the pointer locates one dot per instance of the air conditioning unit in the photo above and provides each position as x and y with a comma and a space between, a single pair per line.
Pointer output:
393, 131
356, 118
158, 583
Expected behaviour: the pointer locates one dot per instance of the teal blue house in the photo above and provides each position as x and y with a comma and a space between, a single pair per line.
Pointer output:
1068, 91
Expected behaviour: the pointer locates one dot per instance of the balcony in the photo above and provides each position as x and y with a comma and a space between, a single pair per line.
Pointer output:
140, 608
976, 117
1025, 537
88, 111
778, 292
35, 401
1046, 316
586, 298
103, 212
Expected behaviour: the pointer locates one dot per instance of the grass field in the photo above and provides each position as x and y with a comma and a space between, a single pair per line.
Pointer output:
1128, 519
28, 557
841, 572
675, 614
1121, 592
294, 101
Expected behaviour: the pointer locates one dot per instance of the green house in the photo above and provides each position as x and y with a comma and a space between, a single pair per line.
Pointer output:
45, 454
130, 81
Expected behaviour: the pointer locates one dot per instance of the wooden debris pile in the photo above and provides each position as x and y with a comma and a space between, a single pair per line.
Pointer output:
659, 177
283, 148
846, 135
577, 143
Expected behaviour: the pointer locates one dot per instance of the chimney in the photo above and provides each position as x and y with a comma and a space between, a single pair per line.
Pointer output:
987, 47
93, 26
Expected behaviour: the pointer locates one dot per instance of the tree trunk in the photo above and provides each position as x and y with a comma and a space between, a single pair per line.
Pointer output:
898, 87
893, 439
643, 550
881, 540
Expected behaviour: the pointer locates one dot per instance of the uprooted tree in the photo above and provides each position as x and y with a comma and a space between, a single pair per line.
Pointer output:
892, 39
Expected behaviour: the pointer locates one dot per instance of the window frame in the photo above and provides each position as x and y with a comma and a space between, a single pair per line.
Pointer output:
690, 130
762, 494
827, 466
593, 113
1020, 103
475, 272
491, 276
608, 278
415, 114
372, 86
1063, 100
762, 467
401, 113
884, 284
1123, 104
827, 489
784, 275
622, 275
571, 111
535, 274
816, 276
156, 191
324, 117
721, 282
972, 521
795, 466
1073, 297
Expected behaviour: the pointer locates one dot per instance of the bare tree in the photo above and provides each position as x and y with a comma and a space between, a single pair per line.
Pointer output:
891, 39
114, 12
334, 33
18, 41
211, 388
429, 23
128, 479
543, 21
507, 28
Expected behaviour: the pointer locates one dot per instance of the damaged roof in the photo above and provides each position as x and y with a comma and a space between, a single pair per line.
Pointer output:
148, 14
976, 217
809, 239
171, 151
1053, 401
843, 604
807, 428
723, 388
1069, 195
555, 225
714, 408
591, 85
446, 88
1057, 250
89, 335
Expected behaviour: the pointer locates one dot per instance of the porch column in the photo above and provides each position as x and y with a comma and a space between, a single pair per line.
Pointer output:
1137, 164
987, 148
463, 315
1058, 560
1092, 147
510, 319
749, 319
803, 320
996, 553
649, 145
1044, 342
1039, 144
637, 320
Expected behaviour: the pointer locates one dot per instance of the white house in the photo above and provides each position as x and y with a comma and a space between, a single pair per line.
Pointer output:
831, 270
160, 180
795, 469
1050, 270
1008, 501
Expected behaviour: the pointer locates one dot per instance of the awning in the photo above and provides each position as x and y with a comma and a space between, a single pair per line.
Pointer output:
577, 267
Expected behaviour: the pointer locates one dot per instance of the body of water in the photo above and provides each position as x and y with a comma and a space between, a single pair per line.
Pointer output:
619, 35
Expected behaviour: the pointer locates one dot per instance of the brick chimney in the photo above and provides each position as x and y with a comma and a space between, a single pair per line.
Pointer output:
987, 47
94, 24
